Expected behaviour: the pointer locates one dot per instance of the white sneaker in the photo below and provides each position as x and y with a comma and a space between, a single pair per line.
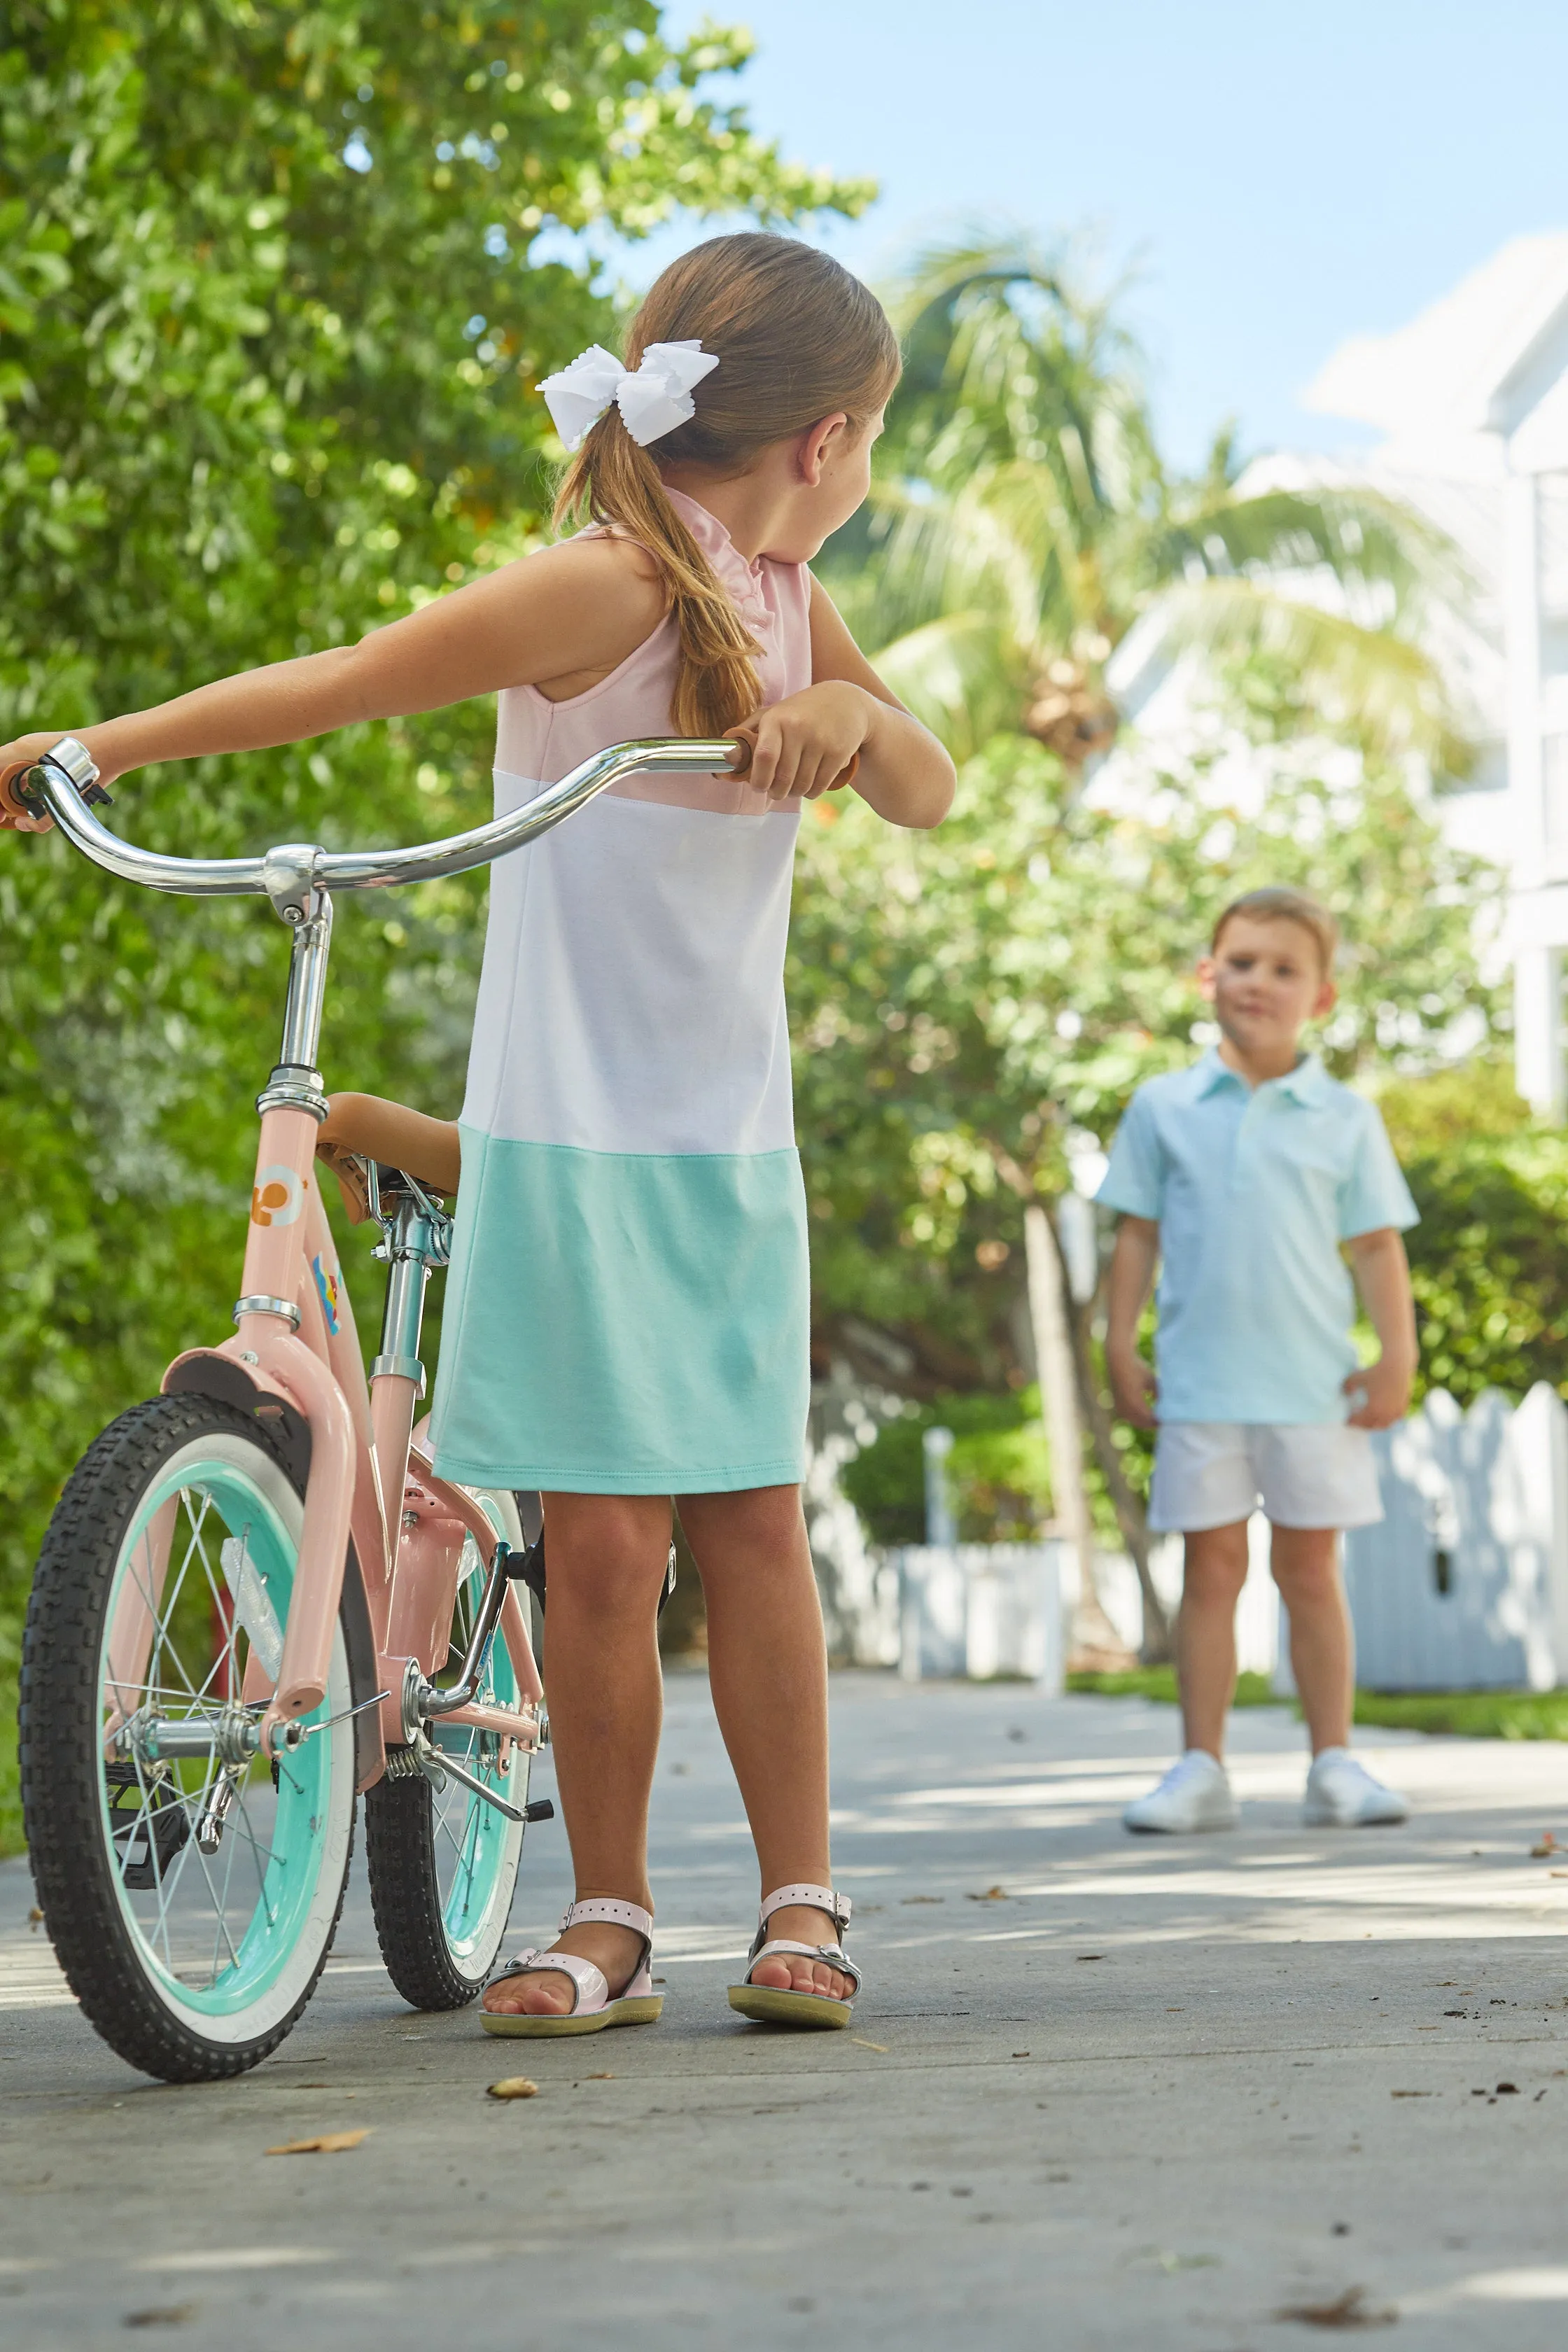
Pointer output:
1342, 1795
1193, 1795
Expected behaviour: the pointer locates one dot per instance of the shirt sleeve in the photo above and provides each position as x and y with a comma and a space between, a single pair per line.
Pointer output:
1374, 1193
1134, 1182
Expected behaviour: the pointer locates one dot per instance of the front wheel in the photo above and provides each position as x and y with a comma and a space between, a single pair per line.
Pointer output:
443, 1863
191, 1889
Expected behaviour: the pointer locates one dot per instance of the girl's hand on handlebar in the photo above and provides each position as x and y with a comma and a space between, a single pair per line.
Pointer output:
15, 759
810, 743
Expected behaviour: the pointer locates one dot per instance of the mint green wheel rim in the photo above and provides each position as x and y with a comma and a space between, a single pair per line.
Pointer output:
475, 1845
277, 1843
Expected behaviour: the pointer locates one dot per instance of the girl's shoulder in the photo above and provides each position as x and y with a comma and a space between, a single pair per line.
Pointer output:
584, 607
601, 564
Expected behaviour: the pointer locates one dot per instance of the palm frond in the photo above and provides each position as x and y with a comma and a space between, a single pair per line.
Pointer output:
1369, 683
961, 675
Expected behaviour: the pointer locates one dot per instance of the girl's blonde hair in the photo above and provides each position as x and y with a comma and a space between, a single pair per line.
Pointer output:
797, 338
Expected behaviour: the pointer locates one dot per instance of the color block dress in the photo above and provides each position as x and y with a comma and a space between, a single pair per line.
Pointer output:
627, 1310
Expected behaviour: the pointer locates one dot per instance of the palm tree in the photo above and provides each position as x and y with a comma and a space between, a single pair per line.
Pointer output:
1023, 522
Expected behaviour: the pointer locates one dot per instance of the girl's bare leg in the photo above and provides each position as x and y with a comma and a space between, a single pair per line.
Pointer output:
768, 1668
605, 1560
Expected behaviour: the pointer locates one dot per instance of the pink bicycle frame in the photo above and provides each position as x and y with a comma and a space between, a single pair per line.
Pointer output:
294, 1357
295, 1350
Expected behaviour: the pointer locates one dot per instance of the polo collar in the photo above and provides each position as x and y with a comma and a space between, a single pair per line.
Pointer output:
1304, 1084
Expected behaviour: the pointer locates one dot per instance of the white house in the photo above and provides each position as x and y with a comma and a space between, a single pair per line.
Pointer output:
1472, 397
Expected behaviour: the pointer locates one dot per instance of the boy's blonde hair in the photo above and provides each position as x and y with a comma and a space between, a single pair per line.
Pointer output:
797, 337
1278, 904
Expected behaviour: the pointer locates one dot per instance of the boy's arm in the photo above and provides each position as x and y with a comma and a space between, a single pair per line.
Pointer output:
1132, 1263
1383, 1277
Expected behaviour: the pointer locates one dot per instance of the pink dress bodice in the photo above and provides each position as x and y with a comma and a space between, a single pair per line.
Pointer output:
545, 741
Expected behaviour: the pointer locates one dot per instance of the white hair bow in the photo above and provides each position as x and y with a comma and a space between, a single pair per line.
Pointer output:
653, 399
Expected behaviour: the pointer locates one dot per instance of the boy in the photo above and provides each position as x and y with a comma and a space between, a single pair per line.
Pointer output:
1243, 1176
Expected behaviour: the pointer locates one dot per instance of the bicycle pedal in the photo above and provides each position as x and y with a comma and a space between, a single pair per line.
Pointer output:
540, 1810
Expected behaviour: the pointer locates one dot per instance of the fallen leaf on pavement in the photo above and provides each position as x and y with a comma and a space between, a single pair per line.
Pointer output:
861, 2043
925, 1898
993, 1894
513, 2087
1350, 2309
323, 2144
1412, 2095
598, 2078
35, 1919
1548, 1844
161, 2315
1089, 1955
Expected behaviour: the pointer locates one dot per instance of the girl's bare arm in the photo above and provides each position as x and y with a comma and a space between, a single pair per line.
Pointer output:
803, 744
561, 618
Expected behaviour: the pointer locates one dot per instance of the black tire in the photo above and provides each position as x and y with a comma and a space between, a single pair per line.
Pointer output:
413, 1836
146, 2012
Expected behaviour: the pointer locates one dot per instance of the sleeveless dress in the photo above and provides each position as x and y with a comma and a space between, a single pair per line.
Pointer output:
627, 1310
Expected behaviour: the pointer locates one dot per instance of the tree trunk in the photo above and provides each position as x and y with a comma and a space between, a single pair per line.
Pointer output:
1050, 1313
1129, 1514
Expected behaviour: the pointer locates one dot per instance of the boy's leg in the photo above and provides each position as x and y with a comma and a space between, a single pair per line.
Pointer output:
1305, 1565
1213, 1576
767, 1665
606, 1561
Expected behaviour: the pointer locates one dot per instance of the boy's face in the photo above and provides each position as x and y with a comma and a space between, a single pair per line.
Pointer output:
1265, 982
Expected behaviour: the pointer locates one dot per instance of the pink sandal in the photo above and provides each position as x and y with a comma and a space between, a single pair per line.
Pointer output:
635, 2004
771, 2004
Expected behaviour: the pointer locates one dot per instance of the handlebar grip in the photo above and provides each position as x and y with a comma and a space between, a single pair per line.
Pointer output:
16, 795
23, 787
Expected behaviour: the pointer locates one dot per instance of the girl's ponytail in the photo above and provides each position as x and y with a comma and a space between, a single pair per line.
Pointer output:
797, 338
613, 481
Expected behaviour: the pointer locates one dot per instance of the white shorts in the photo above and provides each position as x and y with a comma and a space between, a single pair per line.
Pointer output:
1309, 1474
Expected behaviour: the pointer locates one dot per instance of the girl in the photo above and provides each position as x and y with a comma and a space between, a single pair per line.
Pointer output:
628, 1316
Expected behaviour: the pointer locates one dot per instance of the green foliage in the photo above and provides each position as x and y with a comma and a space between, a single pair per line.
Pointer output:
998, 1471
1160, 1683
1487, 1260
1468, 1714
969, 1005
270, 332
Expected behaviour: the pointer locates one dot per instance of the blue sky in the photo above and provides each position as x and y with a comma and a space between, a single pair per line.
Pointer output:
1282, 172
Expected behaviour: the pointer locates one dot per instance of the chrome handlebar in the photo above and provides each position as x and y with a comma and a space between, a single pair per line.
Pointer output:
290, 874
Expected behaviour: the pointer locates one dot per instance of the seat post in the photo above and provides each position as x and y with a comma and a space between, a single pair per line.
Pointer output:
418, 1239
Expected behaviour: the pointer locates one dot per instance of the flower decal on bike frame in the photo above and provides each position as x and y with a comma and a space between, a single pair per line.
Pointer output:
277, 1197
327, 1287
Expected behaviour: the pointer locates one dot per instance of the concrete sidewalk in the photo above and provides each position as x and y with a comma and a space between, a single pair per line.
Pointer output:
1099, 2091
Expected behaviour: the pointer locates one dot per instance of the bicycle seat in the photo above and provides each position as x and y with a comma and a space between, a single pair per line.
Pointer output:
402, 1142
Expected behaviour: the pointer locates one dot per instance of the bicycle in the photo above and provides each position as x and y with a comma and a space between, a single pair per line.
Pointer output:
256, 1601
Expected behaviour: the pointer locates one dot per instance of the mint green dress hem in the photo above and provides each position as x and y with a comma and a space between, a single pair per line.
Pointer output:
624, 1323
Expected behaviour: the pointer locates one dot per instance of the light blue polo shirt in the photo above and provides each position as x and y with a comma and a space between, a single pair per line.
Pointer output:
1254, 1189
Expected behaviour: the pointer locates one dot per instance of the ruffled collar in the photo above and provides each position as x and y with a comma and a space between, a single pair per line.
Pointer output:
743, 580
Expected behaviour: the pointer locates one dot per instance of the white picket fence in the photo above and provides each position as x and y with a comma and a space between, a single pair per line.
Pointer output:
1463, 1586
980, 1611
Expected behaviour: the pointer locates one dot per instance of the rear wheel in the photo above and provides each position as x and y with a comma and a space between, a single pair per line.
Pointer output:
443, 1862
190, 1889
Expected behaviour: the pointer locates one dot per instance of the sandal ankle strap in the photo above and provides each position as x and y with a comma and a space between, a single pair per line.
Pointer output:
815, 1898
615, 1914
